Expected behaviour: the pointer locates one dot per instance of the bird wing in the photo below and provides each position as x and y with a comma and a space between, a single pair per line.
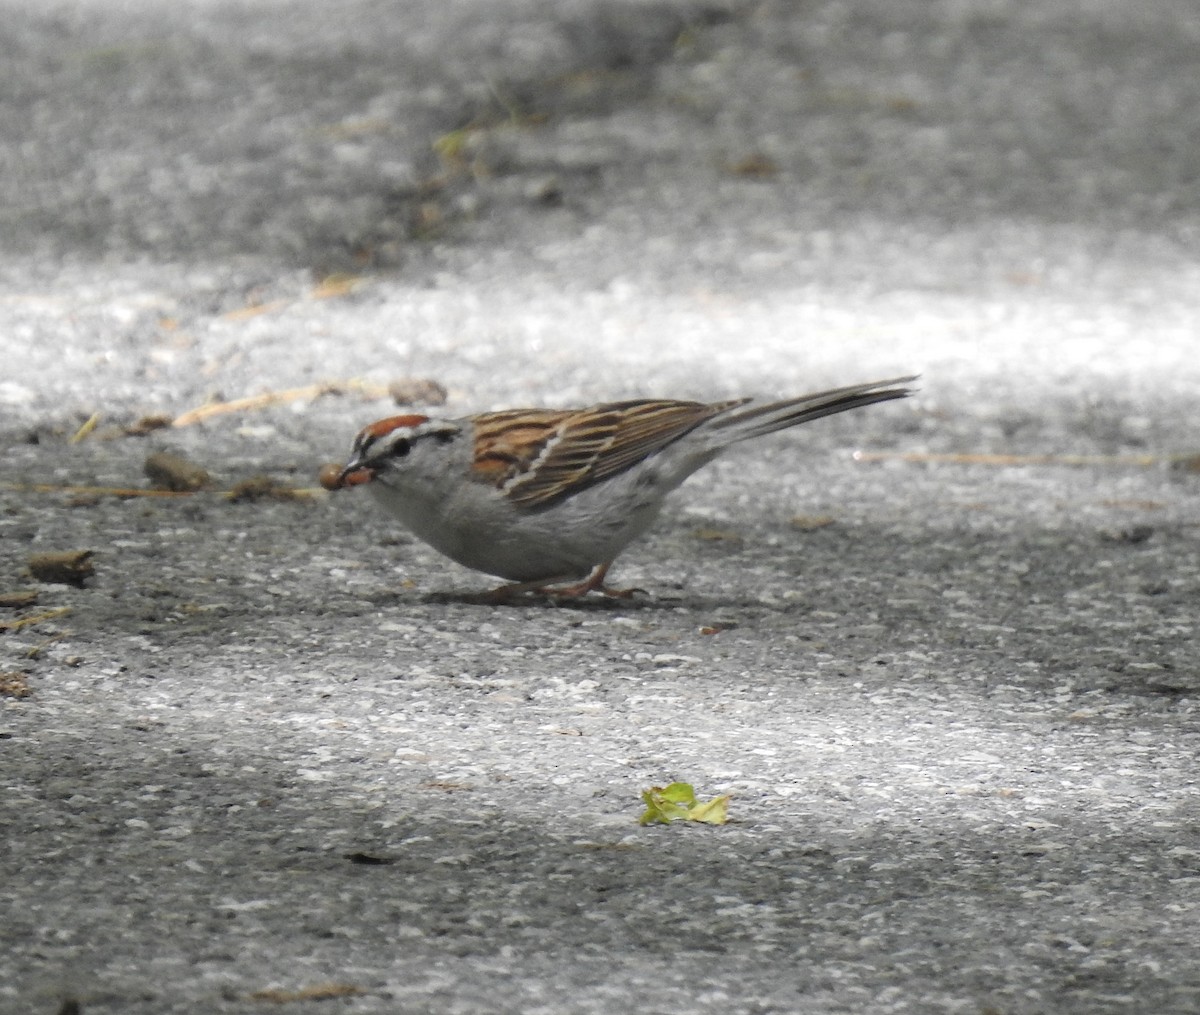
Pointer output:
538, 456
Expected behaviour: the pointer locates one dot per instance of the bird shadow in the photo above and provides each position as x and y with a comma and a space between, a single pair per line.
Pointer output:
539, 601
640, 601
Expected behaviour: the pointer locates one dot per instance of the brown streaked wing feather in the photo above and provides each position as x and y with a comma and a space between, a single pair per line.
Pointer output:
649, 426
566, 462
591, 445
507, 443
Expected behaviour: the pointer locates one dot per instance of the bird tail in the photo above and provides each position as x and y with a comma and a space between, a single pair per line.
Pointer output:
758, 420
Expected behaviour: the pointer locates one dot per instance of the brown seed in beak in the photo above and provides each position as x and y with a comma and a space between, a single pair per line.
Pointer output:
330, 476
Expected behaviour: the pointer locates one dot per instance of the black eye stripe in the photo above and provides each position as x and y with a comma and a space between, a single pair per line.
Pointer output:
400, 447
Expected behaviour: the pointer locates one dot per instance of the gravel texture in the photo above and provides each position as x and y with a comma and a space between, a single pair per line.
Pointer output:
271, 756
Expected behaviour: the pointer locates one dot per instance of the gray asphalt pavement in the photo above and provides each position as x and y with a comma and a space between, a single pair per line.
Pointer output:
272, 756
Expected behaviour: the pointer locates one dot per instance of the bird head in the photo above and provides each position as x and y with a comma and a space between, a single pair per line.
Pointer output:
384, 446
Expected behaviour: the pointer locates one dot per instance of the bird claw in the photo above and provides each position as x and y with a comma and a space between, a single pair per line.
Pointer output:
592, 583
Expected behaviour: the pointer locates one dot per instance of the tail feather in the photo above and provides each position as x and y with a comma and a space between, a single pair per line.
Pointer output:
758, 420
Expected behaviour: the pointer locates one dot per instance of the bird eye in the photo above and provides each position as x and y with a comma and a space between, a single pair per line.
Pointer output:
400, 447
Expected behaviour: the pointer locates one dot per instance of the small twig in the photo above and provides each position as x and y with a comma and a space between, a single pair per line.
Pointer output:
269, 398
335, 285
35, 652
254, 310
86, 429
93, 491
37, 618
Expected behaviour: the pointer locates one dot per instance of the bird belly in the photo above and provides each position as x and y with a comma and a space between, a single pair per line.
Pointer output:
479, 530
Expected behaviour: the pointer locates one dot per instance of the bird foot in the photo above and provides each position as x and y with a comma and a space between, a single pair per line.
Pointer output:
583, 588
592, 583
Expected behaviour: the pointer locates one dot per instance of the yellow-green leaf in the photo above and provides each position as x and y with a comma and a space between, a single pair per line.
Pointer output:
659, 808
677, 793
715, 812
677, 802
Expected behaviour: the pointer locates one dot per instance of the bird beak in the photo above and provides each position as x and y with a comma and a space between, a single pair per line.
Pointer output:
354, 475
341, 477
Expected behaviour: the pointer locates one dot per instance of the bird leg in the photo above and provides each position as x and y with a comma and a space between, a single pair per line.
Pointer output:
594, 582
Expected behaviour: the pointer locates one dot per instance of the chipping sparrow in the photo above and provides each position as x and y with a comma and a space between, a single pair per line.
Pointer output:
542, 496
